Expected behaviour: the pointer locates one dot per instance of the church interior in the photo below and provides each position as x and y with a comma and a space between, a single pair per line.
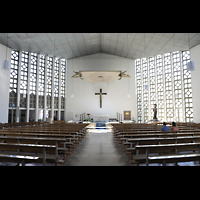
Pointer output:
99, 99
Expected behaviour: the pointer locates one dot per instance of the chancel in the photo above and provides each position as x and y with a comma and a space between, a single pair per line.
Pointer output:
129, 82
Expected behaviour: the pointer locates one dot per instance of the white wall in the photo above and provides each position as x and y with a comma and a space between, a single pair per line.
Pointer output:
85, 100
195, 56
4, 84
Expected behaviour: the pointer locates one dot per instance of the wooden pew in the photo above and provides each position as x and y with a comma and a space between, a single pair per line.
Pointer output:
173, 158
63, 136
18, 159
158, 134
81, 134
123, 138
38, 140
164, 148
69, 137
32, 148
157, 140
133, 135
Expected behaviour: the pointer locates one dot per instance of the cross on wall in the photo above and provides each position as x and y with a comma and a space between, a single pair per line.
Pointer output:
100, 94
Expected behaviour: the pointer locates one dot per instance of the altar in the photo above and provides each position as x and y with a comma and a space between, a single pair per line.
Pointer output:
100, 118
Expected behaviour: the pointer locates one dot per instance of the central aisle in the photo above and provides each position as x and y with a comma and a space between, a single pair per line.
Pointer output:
98, 149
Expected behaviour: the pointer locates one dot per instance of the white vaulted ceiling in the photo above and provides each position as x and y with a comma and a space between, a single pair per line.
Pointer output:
72, 45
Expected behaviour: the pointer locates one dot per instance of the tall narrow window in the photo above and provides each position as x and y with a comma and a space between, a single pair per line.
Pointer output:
177, 86
24, 78
49, 81
152, 87
33, 77
139, 90
56, 79
145, 90
62, 92
41, 81
168, 87
160, 87
187, 87
13, 78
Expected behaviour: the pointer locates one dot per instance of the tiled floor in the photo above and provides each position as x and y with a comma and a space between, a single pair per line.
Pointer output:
98, 149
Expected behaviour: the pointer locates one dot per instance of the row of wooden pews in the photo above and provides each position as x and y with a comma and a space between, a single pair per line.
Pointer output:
146, 144
39, 142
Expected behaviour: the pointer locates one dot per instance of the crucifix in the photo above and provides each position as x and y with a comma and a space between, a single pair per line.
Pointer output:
100, 96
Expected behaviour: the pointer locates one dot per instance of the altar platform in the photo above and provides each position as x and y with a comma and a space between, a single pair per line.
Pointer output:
100, 118
99, 126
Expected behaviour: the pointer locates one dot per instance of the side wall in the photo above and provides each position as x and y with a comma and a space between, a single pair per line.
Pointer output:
195, 56
4, 84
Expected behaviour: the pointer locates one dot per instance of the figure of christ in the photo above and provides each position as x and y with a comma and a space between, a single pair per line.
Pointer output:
100, 96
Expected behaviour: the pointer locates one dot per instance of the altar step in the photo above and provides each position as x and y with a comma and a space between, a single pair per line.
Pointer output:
94, 126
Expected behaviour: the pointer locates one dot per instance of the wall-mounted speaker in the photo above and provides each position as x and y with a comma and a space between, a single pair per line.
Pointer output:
6, 65
190, 66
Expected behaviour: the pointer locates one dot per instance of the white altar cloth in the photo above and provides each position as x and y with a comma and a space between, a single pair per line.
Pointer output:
100, 118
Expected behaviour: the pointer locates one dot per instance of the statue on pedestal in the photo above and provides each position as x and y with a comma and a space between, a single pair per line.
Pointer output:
155, 112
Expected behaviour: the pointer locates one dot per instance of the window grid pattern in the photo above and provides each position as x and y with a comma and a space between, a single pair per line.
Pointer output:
24, 78
187, 87
139, 90
168, 87
177, 86
145, 90
13, 78
56, 79
160, 89
62, 88
152, 85
33, 79
41, 81
172, 90
24, 69
49, 81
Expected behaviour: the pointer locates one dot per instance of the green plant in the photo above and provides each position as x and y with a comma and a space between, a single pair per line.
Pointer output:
88, 120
